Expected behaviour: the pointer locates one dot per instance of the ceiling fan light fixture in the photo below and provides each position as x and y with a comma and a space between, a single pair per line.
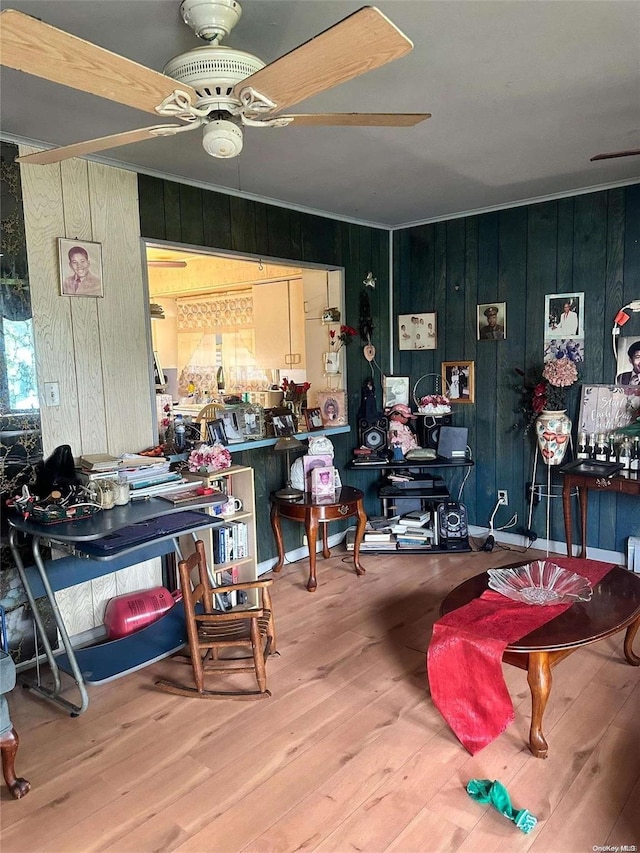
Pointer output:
222, 138
211, 20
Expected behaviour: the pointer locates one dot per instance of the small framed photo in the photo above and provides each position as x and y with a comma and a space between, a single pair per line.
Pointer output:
417, 331
395, 390
314, 419
80, 268
232, 424
628, 362
283, 425
458, 381
564, 313
252, 422
333, 407
492, 321
323, 484
216, 432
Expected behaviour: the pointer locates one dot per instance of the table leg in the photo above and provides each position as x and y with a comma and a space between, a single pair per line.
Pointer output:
583, 496
539, 678
326, 553
566, 511
9, 743
277, 532
311, 526
362, 521
629, 636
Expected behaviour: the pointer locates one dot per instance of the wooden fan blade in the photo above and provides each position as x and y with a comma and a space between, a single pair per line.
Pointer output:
613, 154
37, 48
55, 155
363, 41
357, 119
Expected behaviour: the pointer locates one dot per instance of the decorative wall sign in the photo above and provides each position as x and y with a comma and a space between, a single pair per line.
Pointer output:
605, 408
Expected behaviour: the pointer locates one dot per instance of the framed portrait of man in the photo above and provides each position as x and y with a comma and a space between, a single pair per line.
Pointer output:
492, 321
80, 268
564, 316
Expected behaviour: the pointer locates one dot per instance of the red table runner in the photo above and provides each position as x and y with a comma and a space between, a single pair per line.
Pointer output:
464, 659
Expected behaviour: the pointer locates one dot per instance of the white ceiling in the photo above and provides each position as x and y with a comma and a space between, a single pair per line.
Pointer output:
522, 95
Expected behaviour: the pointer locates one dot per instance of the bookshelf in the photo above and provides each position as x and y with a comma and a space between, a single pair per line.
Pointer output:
230, 546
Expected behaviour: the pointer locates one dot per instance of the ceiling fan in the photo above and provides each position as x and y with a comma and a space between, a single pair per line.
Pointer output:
611, 155
216, 87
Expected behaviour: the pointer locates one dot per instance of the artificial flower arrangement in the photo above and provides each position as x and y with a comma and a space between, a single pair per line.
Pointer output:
548, 392
434, 404
341, 338
295, 392
208, 458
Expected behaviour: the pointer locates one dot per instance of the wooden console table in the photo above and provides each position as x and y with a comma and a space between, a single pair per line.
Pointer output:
311, 511
623, 482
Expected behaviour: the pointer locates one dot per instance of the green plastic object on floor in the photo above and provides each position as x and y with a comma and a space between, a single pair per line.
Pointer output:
494, 793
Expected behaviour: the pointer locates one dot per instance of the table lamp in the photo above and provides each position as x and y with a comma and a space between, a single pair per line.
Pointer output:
286, 444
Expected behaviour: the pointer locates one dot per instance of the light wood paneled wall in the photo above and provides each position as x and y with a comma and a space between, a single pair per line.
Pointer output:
97, 349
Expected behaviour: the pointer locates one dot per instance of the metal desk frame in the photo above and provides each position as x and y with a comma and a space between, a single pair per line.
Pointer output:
79, 568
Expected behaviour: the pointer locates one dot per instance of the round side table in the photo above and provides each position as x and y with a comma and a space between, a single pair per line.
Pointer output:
311, 511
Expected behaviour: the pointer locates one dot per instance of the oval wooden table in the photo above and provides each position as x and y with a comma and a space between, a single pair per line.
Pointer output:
615, 605
311, 512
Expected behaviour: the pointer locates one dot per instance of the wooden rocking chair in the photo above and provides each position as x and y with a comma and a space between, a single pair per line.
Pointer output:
212, 632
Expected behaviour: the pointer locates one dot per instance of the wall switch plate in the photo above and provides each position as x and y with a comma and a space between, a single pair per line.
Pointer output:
51, 394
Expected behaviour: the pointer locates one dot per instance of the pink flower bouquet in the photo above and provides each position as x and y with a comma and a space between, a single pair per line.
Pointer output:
208, 458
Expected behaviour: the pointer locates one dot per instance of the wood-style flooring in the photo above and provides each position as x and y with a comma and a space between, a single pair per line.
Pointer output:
349, 754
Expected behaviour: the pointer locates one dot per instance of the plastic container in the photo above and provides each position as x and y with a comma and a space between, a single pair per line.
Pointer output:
128, 613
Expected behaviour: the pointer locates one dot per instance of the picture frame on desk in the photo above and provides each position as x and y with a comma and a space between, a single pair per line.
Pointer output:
395, 391
333, 407
314, 419
283, 425
216, 432
232, 425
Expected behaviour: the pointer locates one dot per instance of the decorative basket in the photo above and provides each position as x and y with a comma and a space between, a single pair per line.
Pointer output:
430, 410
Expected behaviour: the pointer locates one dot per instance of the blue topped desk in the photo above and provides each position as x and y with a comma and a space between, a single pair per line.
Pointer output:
110, 540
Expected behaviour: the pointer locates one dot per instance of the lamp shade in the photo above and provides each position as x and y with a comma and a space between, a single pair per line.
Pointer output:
288, 442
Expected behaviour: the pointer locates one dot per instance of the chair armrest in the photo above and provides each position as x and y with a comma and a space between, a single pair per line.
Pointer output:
229, 615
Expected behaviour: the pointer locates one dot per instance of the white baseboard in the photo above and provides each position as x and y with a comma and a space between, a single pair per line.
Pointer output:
550, 546
299, 553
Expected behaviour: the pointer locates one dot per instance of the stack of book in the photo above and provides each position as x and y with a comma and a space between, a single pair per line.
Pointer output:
230, 542
146, 475
414, 531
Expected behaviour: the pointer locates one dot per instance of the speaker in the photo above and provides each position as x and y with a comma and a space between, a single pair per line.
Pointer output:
373, 434
452, 442
428, 429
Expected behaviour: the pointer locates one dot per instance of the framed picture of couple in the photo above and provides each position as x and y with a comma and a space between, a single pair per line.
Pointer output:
458, 381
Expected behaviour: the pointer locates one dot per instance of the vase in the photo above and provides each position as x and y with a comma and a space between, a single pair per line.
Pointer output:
332, 362
553, 430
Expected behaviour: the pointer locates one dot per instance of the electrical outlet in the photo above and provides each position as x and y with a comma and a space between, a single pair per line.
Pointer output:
51, 394
503, 497
305, 541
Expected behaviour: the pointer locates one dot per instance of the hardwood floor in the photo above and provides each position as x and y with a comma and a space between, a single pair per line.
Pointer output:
349, 754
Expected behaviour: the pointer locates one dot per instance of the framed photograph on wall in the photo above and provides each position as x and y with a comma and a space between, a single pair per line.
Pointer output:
80, 268
333, 407
417, 331
458, 381
492, 321
395, 390
216, 432
564, 315
628, 361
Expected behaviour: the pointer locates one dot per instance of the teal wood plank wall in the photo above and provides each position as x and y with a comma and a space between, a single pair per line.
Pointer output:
186, 214
588, 243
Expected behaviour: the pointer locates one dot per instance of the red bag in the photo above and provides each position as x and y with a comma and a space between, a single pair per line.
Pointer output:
125, 614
